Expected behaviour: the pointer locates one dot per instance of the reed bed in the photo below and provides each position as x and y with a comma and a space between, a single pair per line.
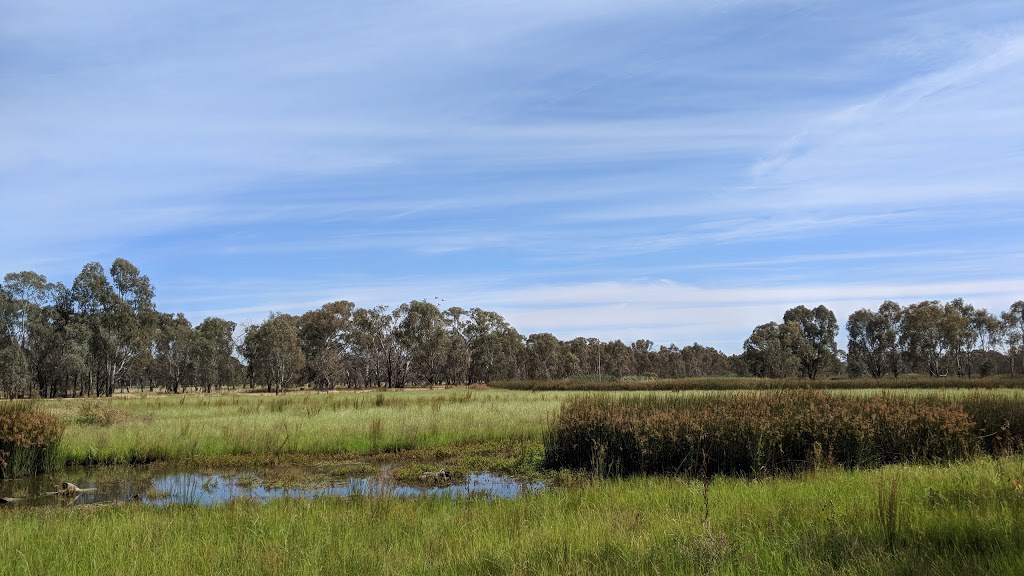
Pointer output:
767, 433
722, 383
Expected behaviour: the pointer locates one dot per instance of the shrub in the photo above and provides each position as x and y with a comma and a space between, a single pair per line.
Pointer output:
100, 413
28, 439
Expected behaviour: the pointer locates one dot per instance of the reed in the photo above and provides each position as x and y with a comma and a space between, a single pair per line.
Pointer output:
721, 383
28, 439
765, 433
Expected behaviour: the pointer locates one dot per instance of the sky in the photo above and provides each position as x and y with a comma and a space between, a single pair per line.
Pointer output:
679, 171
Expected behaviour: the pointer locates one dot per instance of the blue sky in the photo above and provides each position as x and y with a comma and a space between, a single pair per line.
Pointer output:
679, 171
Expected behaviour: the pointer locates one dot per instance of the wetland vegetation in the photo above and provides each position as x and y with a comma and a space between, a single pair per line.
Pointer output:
945, 516
196, 453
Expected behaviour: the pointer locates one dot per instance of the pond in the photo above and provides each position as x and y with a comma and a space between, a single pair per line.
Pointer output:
208, 488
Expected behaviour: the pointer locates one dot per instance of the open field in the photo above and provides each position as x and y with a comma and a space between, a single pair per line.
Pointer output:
964, 518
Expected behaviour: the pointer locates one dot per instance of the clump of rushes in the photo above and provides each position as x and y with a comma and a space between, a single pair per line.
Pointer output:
28, 439
766, 433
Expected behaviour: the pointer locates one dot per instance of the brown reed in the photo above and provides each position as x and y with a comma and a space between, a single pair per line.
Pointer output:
766, 433
28, 439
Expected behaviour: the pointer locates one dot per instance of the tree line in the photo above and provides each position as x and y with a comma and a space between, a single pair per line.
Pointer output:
103, 333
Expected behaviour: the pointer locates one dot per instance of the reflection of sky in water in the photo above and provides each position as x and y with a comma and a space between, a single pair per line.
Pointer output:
211, 489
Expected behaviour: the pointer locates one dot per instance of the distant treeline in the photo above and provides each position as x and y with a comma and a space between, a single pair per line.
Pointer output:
103, 333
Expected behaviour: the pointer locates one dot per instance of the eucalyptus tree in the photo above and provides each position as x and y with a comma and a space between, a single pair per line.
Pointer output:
891, 316
383, 359
767, 354
173, 358
456, 363
588, 354
544, 357
811, 335
643, 351
423, 332
869, 344
60, 346
618, 359
699, 361
121, 317
1012, 326
958, 335
923, 336
273, 353
988, 332
324, 338
213, 347
495, 347
14, 369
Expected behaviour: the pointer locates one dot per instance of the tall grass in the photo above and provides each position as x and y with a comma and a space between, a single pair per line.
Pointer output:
756, 434
135, 430
28, 439
966, 518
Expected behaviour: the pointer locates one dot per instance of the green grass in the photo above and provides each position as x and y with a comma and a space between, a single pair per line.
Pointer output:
112, 431
964, 518
254, 428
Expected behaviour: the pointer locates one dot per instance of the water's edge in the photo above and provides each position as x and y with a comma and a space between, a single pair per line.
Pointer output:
210, 488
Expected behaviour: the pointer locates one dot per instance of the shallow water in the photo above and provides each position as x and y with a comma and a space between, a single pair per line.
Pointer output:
212, 488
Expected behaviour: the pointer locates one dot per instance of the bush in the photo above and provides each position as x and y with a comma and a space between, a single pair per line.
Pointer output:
755, 433
28, 439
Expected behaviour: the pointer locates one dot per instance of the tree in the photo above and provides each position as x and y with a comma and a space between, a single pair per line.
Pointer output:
423, 332
958, 335
273, 353
120, 314
494, 347
766, 355
323, 336
922, 335
212, 353
890, 318
173, 354
868, 345
1013, 329
811, 335
544, 357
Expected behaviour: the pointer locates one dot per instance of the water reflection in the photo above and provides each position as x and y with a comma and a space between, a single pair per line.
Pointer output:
208, 489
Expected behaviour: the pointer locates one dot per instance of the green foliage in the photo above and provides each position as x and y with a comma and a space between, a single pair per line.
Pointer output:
769, 433
28, 439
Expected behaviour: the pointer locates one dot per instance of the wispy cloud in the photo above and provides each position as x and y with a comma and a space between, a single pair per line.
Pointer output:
553, 160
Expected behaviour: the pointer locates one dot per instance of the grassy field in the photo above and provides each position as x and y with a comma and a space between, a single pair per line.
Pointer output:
959, 519
257, 427
134, 430
964, 517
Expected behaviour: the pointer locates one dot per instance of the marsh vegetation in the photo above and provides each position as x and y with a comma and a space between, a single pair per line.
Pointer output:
685, 481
